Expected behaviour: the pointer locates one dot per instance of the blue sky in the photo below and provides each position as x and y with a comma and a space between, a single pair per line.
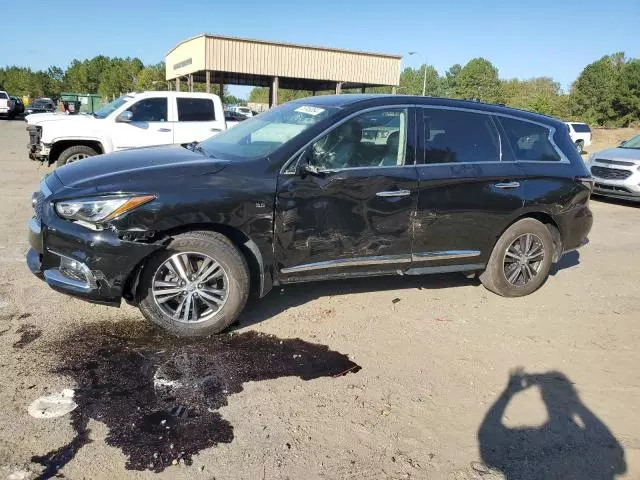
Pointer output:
522, 39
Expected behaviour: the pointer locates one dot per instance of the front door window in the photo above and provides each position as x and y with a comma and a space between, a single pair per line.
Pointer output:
373, 139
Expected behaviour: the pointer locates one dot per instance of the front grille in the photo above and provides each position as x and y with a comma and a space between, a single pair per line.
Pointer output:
614, 162
39, 206
612, 188
610, 173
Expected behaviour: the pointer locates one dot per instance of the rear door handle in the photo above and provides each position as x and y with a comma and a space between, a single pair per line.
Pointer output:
394, 193
507, 185
164, 129
215, 130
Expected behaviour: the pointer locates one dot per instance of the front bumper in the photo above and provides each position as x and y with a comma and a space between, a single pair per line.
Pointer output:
37, 150
626, 188
92, 265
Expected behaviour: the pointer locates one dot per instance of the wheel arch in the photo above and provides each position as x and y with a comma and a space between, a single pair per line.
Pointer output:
259, 272
61, 145
551, 224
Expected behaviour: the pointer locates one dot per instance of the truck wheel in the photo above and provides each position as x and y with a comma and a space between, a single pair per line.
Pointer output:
580, 146
197, 286
521, 259
75, 153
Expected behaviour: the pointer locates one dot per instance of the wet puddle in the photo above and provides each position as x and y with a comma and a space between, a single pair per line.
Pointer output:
159, 396
28, 333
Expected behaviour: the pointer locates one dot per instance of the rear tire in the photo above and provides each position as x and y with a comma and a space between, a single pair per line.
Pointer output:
75, 153
580, 146
513, 270
234, 281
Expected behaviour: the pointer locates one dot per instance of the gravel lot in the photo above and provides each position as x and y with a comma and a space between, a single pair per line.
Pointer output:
435, 356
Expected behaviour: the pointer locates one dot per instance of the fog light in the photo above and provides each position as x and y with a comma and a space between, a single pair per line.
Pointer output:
76, 270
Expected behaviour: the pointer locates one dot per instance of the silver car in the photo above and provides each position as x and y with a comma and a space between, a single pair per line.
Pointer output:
617, 170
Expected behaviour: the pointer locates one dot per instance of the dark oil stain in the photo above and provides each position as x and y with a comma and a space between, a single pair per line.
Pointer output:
29, 334
159, 396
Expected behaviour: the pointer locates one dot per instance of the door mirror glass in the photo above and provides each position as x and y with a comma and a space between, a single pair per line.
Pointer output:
124, 117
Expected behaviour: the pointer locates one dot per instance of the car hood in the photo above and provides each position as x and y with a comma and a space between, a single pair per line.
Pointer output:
137, 168
41, 118
624, 154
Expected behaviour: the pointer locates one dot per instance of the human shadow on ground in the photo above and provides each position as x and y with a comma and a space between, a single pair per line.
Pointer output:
572, 444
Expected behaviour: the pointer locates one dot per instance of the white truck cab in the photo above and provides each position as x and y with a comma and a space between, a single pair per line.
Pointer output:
580, 133
133, 120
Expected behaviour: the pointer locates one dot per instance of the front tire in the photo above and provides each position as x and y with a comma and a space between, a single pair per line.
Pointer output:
520, 260
197, 286
75, 153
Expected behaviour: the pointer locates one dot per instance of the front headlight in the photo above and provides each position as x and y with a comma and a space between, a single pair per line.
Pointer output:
590, 158
100, 209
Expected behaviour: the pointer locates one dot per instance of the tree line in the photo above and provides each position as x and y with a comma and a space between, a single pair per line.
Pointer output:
107, 76
607, 91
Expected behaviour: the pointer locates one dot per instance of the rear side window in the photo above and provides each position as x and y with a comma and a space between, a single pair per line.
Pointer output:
149, 110
195, 110
581, 128
454, 136
529, 141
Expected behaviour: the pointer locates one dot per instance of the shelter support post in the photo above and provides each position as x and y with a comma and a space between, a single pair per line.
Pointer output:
273, 92
207, 79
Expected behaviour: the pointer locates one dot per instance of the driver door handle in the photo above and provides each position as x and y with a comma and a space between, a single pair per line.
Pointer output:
394, 193
507, 185
164, 129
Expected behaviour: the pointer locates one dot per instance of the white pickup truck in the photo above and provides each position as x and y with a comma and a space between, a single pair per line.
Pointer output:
5, 103
134, 120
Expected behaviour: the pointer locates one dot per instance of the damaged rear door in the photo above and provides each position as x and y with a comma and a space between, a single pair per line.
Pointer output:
346, 205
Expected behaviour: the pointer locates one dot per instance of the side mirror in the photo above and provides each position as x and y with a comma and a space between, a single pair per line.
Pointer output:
124, 117
622, 143
304, 166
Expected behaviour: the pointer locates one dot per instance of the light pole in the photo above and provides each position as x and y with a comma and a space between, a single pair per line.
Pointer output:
424, 80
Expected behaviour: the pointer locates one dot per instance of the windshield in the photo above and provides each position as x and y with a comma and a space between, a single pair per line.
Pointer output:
633, 143
262, 135
112, 106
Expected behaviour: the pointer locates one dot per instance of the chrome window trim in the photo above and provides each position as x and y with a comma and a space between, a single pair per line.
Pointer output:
444, 255
295, 157
550, 129
349, 262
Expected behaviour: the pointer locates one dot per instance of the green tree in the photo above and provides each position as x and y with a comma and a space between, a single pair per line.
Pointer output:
152, 78
478, 80
627, 99
595, 91
450, 80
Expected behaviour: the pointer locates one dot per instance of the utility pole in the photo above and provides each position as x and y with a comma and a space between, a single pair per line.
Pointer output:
424, 79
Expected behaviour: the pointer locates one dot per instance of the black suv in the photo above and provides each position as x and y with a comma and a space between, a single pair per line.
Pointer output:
320, 188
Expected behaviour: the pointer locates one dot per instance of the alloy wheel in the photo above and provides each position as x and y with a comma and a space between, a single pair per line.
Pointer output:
77, 156
523, 259
190, 287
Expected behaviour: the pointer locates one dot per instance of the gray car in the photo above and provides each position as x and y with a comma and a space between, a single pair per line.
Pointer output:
617, 170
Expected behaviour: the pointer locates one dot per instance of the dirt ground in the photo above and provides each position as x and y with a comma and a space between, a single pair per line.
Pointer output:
396, 378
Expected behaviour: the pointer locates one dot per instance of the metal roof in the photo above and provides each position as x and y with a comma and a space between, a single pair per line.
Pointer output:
287, 44
241, 61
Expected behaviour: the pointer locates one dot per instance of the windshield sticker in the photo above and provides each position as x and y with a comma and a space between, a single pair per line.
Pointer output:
310, 110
